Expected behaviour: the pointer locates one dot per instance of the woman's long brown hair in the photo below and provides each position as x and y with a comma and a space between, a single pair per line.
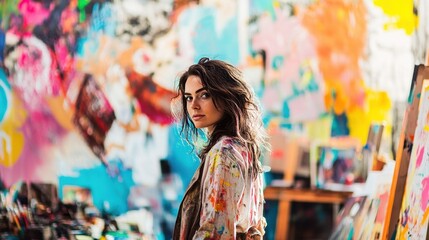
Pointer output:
242, 117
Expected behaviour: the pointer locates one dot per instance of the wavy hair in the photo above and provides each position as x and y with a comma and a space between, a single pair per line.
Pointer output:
242, 116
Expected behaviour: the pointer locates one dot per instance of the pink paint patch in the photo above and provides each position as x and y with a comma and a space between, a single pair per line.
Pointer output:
271, 97
30, 58
281, 40
40, 131
23, 169
35, 75
420, 156
425, 194
34, 12
382, 207
277, 154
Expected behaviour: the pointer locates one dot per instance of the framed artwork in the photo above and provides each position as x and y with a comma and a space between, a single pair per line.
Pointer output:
336, 165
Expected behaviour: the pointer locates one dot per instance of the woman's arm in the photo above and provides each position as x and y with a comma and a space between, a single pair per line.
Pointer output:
222, 190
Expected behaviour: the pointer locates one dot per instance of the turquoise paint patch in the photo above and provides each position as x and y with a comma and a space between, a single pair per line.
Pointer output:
103, 19
286, 115
80, 46
411, 94
4, 89
313, 86
285, 110
207, 41
296, 90
3, 103
340, 125
181, 156
104, 188
3, 79
87, 46
257, 7
375, 128
277, 62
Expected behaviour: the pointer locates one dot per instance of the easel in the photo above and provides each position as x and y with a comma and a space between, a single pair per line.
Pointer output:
403, 154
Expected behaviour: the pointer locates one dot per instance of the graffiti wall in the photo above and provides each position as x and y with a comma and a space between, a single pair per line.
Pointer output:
85, 86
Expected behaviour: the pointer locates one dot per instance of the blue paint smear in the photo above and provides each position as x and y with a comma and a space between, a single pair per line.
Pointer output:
340, 125
104, 187
181, 156
2, 43
206, 41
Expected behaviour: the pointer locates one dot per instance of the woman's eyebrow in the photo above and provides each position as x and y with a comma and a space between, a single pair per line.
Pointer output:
199, 90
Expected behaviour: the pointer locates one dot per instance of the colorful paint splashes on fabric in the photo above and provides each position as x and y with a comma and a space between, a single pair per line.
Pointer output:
306, 62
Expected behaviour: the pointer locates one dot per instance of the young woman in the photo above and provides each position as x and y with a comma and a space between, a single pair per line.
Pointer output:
225, 197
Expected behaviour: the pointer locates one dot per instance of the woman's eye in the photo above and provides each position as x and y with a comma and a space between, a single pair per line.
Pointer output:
188, 98
205, 95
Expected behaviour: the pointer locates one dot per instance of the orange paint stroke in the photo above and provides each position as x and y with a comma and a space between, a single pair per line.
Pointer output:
425, 218
339, 29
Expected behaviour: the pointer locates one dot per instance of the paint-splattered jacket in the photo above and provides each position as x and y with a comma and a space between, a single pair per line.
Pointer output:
223, 201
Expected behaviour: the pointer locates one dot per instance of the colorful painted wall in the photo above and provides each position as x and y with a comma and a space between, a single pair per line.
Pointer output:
85, 86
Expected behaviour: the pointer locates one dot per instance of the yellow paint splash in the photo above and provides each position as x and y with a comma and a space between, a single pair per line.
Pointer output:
400, 14
62, 114
225, 183
425, 217
377, 108
216, 162
12, 140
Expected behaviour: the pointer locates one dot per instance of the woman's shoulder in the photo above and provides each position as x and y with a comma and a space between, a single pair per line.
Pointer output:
230, 147
227, 142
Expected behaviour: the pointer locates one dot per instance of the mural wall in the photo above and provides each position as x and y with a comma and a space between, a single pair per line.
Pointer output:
85, 86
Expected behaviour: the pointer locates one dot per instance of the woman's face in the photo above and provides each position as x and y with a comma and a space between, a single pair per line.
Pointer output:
200, 105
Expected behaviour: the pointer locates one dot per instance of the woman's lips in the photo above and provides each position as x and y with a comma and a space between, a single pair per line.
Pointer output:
197, 117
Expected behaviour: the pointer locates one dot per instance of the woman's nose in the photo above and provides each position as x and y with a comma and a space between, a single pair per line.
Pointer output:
195, 104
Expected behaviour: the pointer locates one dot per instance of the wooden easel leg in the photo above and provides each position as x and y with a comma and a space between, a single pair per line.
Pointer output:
283, 215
